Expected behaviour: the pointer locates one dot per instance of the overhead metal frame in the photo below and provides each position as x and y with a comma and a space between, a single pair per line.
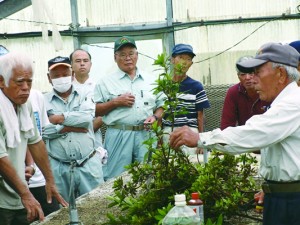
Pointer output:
9, 7
144, 31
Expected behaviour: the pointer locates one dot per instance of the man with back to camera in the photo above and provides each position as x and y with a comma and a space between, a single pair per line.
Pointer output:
17, 132
81, 65
241, 101
126, 101
192, 95
276, 132
70, 136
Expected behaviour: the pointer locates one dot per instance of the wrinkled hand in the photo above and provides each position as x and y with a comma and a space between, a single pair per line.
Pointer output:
51, 191
67, 129
126, 100
148, 122
199, 150
259, 198
29, 172
183, 136
97, 123
56, 119
32, 206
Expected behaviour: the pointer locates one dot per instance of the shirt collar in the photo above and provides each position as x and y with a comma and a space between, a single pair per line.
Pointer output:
288, 89
242, 89
53, 94
88, 81
137, 74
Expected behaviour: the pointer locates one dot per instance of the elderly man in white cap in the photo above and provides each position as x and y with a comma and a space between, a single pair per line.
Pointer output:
276, 132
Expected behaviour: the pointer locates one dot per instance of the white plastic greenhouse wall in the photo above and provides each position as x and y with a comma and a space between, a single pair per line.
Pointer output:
213, 37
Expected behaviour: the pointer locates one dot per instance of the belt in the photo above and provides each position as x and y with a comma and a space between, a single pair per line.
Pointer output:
76, 163
289, 187
128, 127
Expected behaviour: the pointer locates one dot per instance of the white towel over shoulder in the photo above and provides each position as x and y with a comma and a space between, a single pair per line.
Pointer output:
11, 123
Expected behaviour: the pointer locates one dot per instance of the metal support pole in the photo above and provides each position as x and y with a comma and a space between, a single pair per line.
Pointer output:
73, 213
169, 40
75, 22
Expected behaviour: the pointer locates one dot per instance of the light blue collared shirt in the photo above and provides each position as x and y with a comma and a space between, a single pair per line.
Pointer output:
79, 111
146, 102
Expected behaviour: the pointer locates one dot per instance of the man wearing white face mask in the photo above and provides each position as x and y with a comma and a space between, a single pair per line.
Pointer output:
70, 136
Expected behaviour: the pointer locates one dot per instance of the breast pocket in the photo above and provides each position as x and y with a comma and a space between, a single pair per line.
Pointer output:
147, 100
115, 93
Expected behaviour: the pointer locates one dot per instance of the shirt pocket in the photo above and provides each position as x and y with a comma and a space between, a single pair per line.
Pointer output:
115, 93
147, 100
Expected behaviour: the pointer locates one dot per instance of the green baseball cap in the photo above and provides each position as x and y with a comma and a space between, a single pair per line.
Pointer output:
122, 41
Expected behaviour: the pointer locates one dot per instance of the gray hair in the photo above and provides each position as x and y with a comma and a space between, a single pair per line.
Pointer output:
242, 59
292, 72
10, 61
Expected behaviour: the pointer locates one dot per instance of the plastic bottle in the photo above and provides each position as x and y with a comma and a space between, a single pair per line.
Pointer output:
197, 205
181, 214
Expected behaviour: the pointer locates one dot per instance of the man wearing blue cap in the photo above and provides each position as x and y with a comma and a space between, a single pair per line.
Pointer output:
127, 103
192, 95
276, 132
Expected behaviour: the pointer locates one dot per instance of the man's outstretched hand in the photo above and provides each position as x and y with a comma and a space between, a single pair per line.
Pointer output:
184, 136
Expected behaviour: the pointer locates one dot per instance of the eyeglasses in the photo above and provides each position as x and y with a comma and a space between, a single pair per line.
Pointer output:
124, 56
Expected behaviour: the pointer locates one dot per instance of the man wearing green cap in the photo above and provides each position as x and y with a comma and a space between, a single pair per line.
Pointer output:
126, 101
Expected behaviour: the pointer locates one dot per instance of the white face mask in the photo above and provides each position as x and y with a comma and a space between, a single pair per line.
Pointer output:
62, 84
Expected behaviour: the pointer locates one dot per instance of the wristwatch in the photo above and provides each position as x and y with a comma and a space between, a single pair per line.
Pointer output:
155, 116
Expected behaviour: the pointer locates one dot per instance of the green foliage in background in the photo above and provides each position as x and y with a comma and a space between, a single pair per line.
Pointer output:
154, 183
226, 184
149, 195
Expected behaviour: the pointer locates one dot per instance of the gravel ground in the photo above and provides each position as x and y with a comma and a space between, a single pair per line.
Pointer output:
93, 207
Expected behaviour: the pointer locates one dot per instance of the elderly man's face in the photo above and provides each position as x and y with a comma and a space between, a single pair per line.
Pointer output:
58, 72
19, 85
126, 58
267, 82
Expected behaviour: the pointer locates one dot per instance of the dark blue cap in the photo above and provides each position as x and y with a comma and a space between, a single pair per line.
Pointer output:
182, 49
59, 60
296, 45
3, 50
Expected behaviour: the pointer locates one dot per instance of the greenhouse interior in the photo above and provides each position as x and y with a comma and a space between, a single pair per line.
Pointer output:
149, 112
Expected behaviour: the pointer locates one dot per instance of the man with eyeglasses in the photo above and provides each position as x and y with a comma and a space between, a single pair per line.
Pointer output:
241, 101
276, 132
128, 105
